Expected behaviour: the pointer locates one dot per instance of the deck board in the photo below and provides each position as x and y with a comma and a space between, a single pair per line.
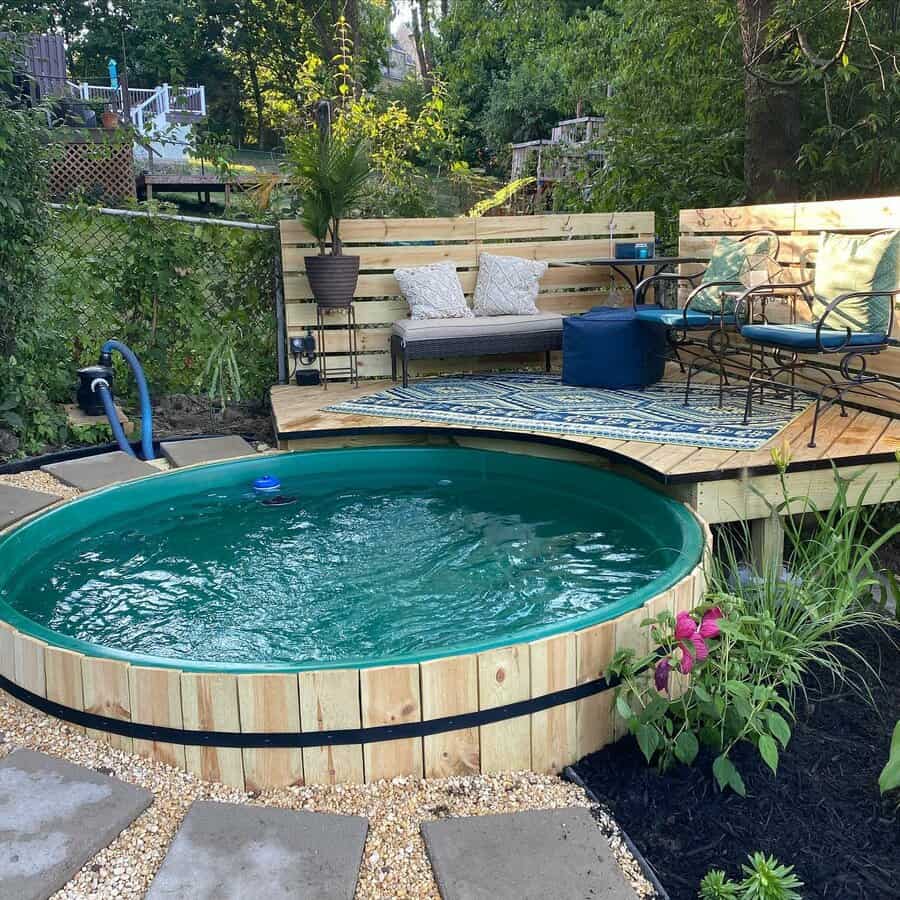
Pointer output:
861, 435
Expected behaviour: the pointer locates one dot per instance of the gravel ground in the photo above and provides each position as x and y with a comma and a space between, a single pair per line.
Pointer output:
40, 481
395, 865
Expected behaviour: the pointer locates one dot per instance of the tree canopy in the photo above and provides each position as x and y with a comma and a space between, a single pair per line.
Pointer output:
706, 101
246, 52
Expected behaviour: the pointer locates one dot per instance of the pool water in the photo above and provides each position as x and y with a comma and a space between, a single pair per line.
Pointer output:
383, 554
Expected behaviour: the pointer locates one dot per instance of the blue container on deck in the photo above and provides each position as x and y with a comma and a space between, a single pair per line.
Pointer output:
609, 348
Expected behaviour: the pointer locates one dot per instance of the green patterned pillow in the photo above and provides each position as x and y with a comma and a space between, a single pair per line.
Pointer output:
730, 261
857, 263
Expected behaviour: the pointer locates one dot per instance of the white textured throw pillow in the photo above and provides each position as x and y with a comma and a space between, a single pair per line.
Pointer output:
433, 292
507, 285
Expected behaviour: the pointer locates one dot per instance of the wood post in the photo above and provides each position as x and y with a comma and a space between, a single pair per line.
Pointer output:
767, 543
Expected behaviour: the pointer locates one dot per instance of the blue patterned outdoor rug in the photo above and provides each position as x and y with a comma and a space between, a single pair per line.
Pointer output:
523, 402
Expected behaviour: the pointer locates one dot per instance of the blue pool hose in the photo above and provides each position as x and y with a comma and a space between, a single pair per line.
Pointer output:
102, 388
143, 393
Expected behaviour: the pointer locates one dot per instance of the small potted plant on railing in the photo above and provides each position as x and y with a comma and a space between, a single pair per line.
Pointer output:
332, 173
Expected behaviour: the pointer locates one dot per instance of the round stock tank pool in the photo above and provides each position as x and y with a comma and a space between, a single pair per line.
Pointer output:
378, 588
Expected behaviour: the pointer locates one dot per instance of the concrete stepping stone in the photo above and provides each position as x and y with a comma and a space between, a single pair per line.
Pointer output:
227, 851
16, 503
201, 450
54, 816
92, 472
530, 855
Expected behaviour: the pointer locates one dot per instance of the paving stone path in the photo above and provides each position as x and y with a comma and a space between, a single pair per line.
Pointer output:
16, 503
532, 855
55, 816
201, 450
226, 851
90, 472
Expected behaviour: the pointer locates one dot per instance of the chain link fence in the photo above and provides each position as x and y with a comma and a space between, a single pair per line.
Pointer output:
197, 299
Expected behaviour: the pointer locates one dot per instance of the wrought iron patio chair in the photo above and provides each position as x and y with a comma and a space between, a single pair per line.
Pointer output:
716, 316
828, 335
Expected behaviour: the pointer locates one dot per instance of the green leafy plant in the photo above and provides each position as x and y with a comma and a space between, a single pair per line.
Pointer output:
222, 374
764, 879
749, 647
332, 173
889, 780
721, 706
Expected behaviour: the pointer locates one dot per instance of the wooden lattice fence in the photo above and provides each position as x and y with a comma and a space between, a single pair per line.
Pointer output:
95, 164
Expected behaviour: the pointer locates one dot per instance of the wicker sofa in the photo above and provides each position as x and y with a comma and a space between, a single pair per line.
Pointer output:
481, 336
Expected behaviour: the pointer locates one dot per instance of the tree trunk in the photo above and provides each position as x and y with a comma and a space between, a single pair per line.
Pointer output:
315, 9
351, 14
418, 40
771, 113
427, 36
257, 98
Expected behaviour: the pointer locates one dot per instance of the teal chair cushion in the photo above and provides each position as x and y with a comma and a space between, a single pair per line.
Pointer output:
803, 337
674, 318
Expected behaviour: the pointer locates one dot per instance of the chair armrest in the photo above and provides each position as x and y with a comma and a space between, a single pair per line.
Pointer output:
641, 287
747, 297
701, 288
890, 296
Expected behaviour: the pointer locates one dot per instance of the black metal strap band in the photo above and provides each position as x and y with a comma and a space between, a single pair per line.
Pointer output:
400, 731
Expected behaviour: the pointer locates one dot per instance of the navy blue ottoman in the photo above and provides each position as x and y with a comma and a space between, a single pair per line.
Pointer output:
609, 348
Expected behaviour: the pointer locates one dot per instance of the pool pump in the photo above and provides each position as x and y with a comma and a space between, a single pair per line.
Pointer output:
303, 349
95, 396
89, 400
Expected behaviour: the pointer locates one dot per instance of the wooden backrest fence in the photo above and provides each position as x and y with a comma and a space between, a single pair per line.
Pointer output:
798, 226
384, 245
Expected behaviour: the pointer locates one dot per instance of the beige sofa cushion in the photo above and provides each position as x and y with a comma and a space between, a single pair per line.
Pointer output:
412, 330
433, 292
507, 285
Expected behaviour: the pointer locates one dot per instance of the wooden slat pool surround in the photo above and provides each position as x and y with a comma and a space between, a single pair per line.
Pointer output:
309, 702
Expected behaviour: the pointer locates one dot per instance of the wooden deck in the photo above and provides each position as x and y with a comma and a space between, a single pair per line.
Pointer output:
722, 485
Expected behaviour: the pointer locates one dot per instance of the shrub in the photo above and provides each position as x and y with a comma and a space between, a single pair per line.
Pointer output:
26, 352
750, 646
194, 301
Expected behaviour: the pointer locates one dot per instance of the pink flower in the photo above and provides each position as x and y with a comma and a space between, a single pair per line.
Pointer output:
685, 626
694, 650
690, 640
661, 674
701, 651
708, 626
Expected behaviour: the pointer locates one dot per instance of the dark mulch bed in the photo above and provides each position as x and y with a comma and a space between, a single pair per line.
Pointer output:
180, 415
822, 813
184, 414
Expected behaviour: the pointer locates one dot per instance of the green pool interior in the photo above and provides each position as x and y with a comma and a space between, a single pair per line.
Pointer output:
386, 555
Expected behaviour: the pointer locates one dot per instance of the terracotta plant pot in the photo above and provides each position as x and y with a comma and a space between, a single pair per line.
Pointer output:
109, 119
333, 279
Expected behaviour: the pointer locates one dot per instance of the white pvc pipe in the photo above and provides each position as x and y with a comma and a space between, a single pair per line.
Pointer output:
193, 220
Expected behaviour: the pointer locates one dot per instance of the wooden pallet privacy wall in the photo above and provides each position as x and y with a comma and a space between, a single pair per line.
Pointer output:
349, 698
384, 245
798, 226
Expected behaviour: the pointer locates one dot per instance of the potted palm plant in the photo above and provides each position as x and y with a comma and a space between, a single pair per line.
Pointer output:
332, 172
